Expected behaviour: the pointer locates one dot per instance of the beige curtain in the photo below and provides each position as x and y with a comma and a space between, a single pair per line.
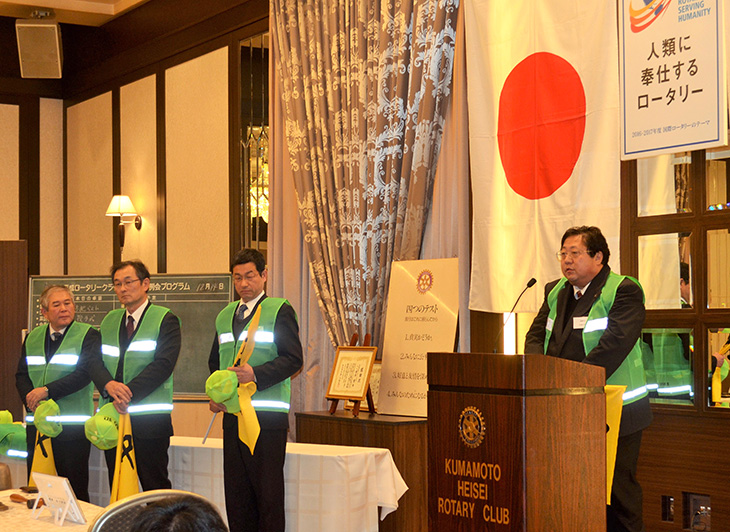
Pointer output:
364, 87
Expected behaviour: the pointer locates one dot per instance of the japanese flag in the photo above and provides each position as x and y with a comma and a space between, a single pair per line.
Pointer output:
544, 138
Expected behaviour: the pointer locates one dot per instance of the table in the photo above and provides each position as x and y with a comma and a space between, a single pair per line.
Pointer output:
404, 436
336, 488
328, 487
19, 517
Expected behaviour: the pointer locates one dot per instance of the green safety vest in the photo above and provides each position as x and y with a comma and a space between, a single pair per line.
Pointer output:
672, 372
77, 407
140, 353
631, 371
276, 398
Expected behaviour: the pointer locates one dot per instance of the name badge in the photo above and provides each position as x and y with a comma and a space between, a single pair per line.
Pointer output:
579, 322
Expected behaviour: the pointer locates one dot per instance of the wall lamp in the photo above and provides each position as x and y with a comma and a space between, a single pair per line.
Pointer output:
122, 206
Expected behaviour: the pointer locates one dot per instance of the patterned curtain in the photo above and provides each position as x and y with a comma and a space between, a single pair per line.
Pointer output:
365, 85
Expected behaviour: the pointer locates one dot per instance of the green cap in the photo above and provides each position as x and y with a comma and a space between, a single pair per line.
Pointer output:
5, 417
12, 440
102, 429
222, 387
43, 418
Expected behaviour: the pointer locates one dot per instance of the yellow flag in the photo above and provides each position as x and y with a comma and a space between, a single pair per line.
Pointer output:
614, 404
43, 461
126, 481
248, 423
716, 386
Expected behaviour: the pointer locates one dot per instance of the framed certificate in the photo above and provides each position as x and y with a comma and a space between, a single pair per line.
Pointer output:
374, 389
58, 496
351, 373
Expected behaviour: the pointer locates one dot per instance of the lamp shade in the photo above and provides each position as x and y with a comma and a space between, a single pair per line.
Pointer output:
121, 206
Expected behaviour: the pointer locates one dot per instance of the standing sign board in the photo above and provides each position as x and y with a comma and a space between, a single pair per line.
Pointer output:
423, 307
673, 82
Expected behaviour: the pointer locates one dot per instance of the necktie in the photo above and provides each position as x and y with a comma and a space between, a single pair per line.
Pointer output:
238, 320
56, 336
130, 327
578, 294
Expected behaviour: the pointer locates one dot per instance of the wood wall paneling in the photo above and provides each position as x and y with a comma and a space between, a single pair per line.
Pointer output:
14, 301
50, 212
197, 154
89, 186
138, 166
9, 171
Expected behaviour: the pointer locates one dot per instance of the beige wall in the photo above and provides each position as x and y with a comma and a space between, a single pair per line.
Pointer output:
9, 171
89, 189
51, 187
196, 122
139, 167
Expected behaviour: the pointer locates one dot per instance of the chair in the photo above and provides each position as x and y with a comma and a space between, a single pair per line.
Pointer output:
5, 479
119, 516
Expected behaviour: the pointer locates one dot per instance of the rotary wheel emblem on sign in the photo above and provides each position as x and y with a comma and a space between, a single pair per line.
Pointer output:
424, 282
471, 427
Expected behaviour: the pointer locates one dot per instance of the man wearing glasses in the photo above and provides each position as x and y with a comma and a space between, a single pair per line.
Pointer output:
140, 346
595, 316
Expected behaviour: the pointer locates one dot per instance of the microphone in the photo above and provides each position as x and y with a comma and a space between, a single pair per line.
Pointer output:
530, 284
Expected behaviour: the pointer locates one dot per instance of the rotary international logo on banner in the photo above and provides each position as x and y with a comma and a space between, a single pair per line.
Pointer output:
673, 76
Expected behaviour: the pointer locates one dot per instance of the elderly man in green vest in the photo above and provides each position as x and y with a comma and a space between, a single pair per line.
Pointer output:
254, 482
593, 315
54, 364
140, 347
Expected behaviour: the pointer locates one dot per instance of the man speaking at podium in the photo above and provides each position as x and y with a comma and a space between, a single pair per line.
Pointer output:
595, 316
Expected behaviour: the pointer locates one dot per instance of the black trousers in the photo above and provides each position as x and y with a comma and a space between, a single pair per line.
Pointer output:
625, 514
254, 484
151, 457
70, 453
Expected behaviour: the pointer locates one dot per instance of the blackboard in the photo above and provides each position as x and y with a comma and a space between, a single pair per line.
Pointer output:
195, 299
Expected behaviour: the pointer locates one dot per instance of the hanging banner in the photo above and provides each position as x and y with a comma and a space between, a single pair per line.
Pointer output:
673, 81
423, 307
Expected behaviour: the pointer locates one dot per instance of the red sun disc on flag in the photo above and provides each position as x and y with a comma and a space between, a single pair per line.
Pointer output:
542, 118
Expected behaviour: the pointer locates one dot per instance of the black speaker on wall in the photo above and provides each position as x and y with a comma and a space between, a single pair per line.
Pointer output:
39, 48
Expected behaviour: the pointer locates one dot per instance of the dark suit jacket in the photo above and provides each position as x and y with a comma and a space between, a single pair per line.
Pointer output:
150, 378
625, 320
71, 383
286, 364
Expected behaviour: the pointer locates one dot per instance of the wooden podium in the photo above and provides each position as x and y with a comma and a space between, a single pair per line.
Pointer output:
515, 443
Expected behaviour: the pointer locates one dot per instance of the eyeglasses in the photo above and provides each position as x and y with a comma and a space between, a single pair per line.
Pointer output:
126, 283
562, 255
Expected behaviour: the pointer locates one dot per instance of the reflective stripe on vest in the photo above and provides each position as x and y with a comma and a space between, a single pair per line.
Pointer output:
631, 371
159, 407
17, 454
110, 350
275, 398
140, 353
64, 359
67, 419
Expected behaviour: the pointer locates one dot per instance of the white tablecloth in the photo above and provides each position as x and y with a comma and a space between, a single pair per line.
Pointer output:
18, 517
334, 488
328, 487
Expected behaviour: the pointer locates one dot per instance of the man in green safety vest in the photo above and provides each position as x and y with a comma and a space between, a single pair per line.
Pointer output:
254, 482
54, 364
140, 346
594, 316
